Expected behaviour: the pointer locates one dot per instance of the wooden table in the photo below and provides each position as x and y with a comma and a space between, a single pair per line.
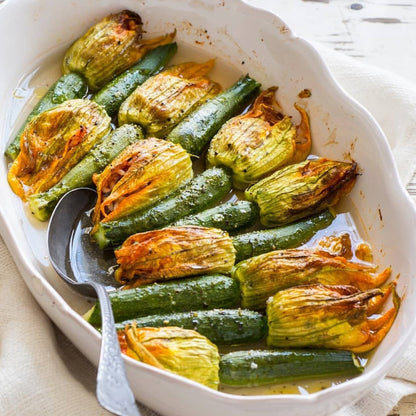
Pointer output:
377, 32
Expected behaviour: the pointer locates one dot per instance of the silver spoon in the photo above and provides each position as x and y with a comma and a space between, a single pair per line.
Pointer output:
74, 259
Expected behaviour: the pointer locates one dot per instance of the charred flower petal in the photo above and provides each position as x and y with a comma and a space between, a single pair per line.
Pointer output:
259, 142
174, 252
142, 174
301, 189
181, 351
110, 47
262, 276
329, 317
303, 136
54, 142
166, 98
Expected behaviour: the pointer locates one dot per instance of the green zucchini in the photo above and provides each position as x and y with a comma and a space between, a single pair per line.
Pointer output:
220, 326
289, 236
198, 128
67, 87
81, 174
261, 367
114, 93
204, 190
229, 216
192, 293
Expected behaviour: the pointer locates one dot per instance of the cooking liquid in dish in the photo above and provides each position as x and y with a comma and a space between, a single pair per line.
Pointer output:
32, 86
298, 387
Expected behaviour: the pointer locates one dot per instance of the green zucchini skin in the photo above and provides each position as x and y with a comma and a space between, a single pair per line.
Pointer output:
220, 326
114, 93
261, 367
204, 190
193, 293
81, 174
199, 127
67, 87
229, 216
289, 236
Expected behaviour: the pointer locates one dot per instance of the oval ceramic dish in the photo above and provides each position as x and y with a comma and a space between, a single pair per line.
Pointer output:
244, 40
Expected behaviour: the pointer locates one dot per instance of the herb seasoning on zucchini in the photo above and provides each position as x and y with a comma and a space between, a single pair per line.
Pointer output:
229, 216
203, 191
261, 367
199, 127
220, 326
289, 236
190, 294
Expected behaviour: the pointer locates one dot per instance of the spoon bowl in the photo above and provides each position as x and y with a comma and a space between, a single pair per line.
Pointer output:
72, 254
74, 258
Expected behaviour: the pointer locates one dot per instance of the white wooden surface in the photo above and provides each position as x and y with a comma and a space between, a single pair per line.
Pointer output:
377, 32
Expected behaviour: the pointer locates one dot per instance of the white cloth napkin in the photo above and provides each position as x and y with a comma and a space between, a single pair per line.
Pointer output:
41, 372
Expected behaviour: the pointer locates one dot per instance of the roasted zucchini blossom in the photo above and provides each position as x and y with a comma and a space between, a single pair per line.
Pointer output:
110, 47
262, 276
54, 142
322, 316
166, 98
174, 252
302, 189
142, 174
181, 351
261, 141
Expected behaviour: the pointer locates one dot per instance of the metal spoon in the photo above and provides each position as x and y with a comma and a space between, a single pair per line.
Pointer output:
73, 258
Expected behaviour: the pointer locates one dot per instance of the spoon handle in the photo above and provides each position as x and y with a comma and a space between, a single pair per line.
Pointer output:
113, 390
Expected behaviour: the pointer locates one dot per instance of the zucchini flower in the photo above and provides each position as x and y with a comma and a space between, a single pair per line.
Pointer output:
338, 317
110, 47
262, 276
255, 144
302, 189
181, 351
54, 142
142, 174
173, 252
165, 99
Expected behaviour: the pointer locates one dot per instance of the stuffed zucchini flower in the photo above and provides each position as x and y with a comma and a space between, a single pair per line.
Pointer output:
166, 98
255, 144
54, 142
181, 351
322, 316
302, 189
173, 252
110, 47
262, 276
142, 174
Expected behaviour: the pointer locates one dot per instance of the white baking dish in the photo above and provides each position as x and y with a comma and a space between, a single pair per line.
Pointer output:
244, 39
